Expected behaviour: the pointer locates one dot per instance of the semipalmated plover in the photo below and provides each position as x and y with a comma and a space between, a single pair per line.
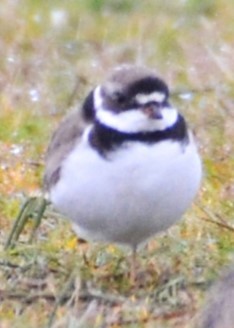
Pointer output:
125, 166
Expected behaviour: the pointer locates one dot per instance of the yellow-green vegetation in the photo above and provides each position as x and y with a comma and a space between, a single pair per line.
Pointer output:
51, 54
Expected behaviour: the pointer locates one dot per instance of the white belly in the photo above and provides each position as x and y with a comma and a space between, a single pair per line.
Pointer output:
138, 191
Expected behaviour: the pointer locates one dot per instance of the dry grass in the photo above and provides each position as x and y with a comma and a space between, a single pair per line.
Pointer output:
51, 54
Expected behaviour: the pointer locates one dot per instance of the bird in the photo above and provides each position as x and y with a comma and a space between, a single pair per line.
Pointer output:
124, 166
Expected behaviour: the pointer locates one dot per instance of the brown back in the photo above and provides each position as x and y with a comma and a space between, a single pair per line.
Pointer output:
62, 142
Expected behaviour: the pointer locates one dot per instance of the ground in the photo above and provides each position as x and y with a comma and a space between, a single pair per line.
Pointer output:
52, 54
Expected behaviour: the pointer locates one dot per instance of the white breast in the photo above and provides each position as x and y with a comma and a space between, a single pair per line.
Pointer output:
138, 191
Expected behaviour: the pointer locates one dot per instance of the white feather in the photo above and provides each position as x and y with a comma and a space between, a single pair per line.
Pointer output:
143, 99
138, 191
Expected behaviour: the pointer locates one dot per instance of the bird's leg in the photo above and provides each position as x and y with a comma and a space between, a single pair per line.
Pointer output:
133, 265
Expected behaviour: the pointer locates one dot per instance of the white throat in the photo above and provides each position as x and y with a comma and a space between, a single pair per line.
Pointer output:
133, 120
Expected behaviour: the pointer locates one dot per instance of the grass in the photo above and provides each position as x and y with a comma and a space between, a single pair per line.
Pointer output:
51, 56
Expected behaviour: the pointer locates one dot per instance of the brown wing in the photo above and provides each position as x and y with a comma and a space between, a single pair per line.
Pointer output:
62, 141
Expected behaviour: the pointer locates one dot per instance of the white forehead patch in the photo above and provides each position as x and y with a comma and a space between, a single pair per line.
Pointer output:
143, 98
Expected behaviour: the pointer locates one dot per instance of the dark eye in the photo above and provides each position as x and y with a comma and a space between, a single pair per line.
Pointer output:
119, 97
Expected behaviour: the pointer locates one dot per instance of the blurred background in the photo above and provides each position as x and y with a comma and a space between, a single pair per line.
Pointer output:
51, 54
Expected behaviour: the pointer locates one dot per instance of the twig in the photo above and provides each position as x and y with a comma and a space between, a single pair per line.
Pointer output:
87, 296
220, 224
213, 219
10, 265
24, 297
169, 315
65, 295
106, 297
